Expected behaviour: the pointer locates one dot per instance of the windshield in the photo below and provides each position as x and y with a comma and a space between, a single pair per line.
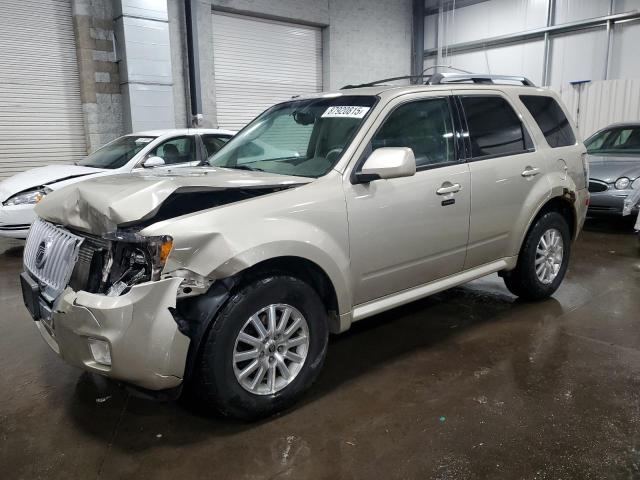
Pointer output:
117, 153
621, 140
303, 137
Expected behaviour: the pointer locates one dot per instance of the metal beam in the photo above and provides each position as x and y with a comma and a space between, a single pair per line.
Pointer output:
417, 57
536, 33
195, 90
546, 61
607, 62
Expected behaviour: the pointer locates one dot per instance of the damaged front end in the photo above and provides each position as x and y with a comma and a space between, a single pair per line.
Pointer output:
108, 298
115, 262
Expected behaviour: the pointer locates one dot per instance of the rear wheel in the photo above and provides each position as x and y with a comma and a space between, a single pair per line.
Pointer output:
265, 348
543, 259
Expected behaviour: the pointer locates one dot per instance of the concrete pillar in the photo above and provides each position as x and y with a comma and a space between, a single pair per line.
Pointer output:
144, 51
98, 70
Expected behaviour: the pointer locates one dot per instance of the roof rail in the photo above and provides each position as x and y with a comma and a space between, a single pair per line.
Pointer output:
372, 84
440, 78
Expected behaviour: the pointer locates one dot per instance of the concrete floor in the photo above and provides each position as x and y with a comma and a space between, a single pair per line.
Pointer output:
467, 384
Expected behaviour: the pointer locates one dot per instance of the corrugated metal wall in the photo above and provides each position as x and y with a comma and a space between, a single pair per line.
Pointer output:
603, 103
574, 56
260, 62
41, 121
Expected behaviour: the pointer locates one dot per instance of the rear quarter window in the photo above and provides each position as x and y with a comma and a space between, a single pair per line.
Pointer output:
551, 119
494, 127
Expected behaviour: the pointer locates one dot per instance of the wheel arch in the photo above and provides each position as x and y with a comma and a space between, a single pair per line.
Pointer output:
562, 202
302, 269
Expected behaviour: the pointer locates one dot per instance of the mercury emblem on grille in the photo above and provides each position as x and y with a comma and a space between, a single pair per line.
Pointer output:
41, 253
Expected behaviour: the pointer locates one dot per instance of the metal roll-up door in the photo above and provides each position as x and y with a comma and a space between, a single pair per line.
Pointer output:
40, 110
260, 62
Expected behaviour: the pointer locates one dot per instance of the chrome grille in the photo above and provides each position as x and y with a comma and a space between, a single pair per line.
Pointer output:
50, 255
91, 246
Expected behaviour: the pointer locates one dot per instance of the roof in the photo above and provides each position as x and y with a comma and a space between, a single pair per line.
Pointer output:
633, 123
183, 131
390, 91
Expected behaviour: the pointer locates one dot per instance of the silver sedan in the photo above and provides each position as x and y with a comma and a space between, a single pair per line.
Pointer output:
614, 167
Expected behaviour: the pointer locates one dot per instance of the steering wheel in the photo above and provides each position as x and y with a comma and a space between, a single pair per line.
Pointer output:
335, 151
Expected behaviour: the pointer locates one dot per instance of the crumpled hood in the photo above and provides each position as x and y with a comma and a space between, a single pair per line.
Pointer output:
609, 168
42, 176
100, 205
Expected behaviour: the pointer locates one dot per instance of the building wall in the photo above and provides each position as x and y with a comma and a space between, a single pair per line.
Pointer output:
352, 51
352, 31
367, 40
179, 64
98, 70
598, 104
574, 56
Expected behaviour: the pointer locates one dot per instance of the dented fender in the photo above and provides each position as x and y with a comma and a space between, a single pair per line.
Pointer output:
220, 243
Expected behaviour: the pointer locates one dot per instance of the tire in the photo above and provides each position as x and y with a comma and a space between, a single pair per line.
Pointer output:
524, 281
216, 381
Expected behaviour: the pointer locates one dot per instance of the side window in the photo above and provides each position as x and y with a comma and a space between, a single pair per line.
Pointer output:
494, 127
551, 120
175, 150
213, 143
425, 126
623, 137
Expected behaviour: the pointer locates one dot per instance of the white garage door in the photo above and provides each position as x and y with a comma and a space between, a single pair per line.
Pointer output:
40, 109
260, 62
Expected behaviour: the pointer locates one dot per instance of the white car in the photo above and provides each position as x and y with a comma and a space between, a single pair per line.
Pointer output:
153, 149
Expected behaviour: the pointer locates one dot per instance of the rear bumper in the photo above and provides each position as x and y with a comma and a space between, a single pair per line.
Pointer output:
582, 199
146, 348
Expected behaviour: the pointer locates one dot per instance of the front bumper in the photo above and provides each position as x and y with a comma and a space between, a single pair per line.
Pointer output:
610, 202
147, 350
15, 220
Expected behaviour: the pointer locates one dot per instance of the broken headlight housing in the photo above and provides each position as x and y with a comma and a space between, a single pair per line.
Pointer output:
133, 259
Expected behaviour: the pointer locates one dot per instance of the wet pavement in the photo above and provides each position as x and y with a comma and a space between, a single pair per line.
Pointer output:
470, 383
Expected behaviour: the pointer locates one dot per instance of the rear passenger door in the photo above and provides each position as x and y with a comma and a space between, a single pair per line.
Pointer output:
504, 169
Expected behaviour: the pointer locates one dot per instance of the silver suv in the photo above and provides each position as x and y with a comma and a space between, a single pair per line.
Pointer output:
227, 278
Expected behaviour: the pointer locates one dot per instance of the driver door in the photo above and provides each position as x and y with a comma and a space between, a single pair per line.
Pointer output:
405, 232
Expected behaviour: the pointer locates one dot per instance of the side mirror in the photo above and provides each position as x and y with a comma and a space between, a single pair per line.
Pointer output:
153, 162
386, 163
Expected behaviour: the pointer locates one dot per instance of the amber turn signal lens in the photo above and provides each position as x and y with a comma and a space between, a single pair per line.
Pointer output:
165, 249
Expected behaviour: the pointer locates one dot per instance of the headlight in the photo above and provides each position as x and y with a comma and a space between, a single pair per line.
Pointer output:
31, 197
136, 259
622, 183
636, 184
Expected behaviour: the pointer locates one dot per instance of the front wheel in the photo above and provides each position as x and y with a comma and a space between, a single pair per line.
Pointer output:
543, 259
265, 348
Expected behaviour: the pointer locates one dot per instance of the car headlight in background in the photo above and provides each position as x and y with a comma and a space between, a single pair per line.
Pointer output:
30, 197
622, 183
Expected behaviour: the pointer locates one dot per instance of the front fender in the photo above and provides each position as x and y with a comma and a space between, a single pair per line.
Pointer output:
222, 242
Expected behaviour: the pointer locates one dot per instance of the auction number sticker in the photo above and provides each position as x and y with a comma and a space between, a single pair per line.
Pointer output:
345, 112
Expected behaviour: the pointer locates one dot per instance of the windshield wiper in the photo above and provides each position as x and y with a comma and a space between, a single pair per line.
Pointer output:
245, 167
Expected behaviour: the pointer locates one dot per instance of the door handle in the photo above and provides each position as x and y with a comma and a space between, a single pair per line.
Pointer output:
530, 172
448, 187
